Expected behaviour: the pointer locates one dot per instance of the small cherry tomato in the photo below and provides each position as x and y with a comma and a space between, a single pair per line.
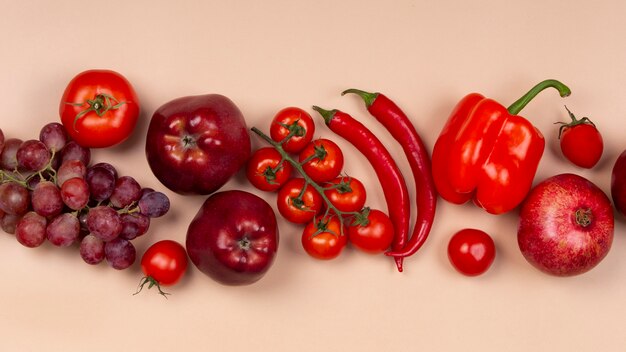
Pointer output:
164, 263
347, 194
581, 142
263, 170
323, 238
296, 122
322, 160
471, 251
376, 236
296, 205
99, 108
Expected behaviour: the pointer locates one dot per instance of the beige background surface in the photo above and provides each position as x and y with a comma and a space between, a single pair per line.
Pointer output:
266, 55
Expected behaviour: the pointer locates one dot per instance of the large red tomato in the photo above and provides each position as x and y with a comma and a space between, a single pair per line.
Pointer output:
99, 108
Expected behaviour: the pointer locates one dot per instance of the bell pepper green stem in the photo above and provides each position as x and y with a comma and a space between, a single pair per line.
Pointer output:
518, 105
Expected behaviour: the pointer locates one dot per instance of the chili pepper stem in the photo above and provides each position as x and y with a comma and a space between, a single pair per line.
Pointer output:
519, 104
327, 115
367, 97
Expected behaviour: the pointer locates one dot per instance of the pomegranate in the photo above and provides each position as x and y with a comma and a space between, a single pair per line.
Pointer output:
566, 225
618, 183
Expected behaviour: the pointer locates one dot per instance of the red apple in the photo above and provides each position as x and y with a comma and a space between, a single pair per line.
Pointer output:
566, 225
233, 237
196, 144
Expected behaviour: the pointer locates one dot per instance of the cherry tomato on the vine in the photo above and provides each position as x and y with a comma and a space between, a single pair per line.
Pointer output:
99, 108
263, 171
581, 142
294, 121
347, 194
322, 160
471, 251
323, 238
376, 236
296, 205
164, 263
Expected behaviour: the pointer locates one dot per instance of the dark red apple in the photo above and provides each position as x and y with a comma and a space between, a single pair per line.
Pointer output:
618, 183
196, 144
233, 237
566, 225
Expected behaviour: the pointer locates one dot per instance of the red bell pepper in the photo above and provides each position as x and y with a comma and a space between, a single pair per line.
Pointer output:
487, 153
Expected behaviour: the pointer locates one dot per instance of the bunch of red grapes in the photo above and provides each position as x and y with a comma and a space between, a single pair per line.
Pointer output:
49, 191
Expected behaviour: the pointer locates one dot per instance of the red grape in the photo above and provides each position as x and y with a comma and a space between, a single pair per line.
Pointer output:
101, 182
70, 169
134, 225
14, 198
32, 155
126, 191
73, 151
9, 222
46, 199
120, 253
31, 230
53, 135
104, 222
1, 141
92, 249
8, 157
154, 204
63, 230
75, 193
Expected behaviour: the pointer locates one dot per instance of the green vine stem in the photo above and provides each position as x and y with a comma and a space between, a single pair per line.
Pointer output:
359, 217
17, 177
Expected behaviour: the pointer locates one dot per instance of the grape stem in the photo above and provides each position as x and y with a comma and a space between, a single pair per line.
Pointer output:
17, 177
360, 218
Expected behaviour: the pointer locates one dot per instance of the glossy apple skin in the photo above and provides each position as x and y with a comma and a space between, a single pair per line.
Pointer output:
233, 237
195, 144
618, 183
550, 235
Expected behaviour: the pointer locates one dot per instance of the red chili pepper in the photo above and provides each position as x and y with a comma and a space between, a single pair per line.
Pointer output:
488, 153
401, 128
387, 171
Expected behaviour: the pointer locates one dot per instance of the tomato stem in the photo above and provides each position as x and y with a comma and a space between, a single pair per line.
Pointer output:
295, 130
152, 282
574, 122
100, 104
